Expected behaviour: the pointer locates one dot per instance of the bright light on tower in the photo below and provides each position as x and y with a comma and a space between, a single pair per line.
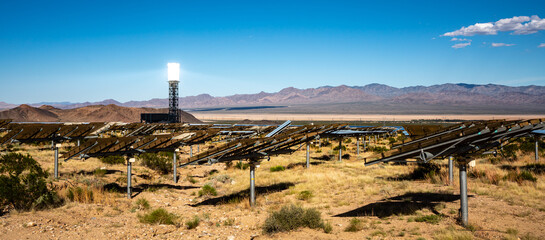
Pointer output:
173, 71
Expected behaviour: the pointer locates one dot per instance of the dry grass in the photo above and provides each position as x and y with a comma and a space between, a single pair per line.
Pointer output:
336, 187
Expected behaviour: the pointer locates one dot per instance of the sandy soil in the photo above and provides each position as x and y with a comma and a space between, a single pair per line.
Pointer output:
355, 117
341, 191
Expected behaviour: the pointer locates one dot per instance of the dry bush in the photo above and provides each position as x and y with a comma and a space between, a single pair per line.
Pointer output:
158, 216
292, 217
355, 225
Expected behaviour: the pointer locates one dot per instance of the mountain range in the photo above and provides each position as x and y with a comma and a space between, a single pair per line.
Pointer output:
487, 97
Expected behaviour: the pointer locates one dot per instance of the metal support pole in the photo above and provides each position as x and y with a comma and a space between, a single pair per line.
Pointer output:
191, 151
56, 149
308, 155
364, 143
376, 139
78, 142
252, 184
174, 166
537, 148
340, 149
357, 146
198, 148
129, 187
463, 194
450, 171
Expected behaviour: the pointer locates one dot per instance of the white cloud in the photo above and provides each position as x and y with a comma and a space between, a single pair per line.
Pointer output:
478, 28
461, 45
541, 45
461, 39
517, 25
502, 44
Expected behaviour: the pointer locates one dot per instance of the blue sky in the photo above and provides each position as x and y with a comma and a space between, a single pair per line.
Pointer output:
52, 51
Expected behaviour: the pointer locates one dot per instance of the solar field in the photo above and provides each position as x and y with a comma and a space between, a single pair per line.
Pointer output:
297, 160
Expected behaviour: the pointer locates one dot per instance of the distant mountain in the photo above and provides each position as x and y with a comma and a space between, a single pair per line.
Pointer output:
26, 113
449, 94
93, 113
4, 105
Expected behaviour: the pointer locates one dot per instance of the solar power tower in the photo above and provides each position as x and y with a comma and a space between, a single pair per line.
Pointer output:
173, 79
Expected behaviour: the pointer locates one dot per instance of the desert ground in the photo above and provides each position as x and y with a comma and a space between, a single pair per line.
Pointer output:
357, 117
375, 202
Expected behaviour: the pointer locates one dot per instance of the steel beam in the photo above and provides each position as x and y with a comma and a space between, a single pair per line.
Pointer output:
537, 147
190, 150
463, 194
129, 173
450, 171
357, 146
340, 149
56, 167
174, 166
308, 155
252, 184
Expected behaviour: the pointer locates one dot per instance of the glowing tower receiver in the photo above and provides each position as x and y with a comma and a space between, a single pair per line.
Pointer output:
173, 79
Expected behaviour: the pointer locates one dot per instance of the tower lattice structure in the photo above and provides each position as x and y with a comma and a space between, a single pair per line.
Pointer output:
173, 111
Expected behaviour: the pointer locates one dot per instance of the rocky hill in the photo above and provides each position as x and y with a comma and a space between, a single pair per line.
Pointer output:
93, 113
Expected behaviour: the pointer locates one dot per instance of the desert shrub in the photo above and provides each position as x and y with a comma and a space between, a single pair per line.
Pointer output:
325, 143
23, 184
486, 176
100, 172
193, 223
12, 148
292, 217
476, 173
242, 165
348, 140
324, 157
425, 171
377, 149
345, 156
158, 216
527, 146
520, 176
378, 233
191, 179
112, 160
336, 148
229, 222
432, 218
510, 152
537, 168
495, 160
304, 195
277, 168
142, 204
207, 190
328, 228
211, 172
79, 194
223, 178
161, 162
391, 140
355, 225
